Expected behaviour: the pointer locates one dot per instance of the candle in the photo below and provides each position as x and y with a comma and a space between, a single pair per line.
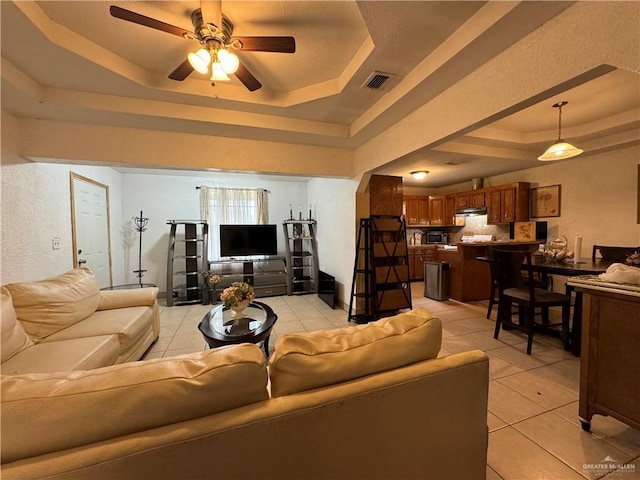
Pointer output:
577, 249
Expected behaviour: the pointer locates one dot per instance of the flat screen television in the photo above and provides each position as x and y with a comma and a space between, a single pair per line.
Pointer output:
243, 240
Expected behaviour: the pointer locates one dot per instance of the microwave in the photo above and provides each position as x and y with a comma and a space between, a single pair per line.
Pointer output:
437, 237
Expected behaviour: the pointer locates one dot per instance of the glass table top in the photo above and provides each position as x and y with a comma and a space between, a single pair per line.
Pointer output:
221, 321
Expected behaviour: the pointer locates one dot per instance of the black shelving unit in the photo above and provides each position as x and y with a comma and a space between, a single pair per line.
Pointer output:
186, 260
302, 256
380, 286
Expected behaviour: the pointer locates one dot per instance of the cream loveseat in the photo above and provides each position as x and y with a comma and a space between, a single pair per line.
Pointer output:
67, 323
369, 401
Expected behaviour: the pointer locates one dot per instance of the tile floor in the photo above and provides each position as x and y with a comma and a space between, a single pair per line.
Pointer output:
534, 432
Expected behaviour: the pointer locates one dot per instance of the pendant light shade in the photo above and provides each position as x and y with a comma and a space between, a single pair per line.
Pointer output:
561, 149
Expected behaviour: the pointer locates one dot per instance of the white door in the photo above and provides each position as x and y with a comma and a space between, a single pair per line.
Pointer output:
90, 227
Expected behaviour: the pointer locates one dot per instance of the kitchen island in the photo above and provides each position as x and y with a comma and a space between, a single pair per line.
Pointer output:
609, 362
471, 278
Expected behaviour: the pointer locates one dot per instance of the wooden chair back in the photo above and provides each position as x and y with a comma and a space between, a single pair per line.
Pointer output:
616, 254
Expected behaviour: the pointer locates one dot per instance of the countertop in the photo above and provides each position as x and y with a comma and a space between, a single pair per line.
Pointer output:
592, 282
498, 242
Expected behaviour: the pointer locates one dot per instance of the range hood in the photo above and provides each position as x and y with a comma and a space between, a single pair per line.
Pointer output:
471, 211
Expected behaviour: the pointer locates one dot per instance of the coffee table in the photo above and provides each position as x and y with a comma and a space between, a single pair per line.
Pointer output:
219, 328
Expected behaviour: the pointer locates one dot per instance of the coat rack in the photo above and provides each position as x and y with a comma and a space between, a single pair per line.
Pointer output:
141, 226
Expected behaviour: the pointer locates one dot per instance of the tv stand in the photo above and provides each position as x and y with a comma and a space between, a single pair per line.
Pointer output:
267, 275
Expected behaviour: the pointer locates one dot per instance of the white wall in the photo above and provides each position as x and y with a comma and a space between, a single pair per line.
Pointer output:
36, 207
175, 197
335, 206
598, 197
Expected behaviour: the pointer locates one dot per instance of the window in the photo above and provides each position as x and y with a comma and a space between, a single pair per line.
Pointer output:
232, 206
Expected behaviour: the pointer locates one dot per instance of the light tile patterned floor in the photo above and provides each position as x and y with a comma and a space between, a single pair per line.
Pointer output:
533, 399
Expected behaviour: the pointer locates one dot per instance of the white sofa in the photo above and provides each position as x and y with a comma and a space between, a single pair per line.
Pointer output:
66, 323
370, 401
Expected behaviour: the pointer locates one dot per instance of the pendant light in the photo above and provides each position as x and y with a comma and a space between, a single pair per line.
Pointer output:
561, 149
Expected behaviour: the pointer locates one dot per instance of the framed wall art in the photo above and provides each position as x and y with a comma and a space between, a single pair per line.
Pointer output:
545, 201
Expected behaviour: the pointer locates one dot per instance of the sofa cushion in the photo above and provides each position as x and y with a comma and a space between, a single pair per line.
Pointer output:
64, 356
130, 297
128, 324
44, 413
47, 306
304, 361
14, 338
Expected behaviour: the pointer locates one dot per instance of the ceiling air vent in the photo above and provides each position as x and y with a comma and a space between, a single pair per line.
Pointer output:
376, 80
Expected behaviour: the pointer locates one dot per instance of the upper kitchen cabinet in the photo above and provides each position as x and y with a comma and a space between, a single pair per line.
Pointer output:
416, 210
508, 203
436, 210
450, 210
462, 200
477, 198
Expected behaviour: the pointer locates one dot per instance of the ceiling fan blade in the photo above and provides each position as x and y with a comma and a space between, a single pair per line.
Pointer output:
134, 17
212, 12
247, 78
267, 44
182, 72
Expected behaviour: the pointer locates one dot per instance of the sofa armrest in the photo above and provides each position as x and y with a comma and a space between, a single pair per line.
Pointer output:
133, 297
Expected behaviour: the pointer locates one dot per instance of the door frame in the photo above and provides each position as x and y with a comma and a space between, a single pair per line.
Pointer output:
74, 176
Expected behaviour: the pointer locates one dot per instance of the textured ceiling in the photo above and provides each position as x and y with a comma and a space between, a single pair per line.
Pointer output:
96, 69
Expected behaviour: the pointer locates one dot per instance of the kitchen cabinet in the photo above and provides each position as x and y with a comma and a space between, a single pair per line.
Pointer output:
416, 209
494, 208
477, 198
450, 210
436, 210
417, 256
416, 262
462, 200
508, 203
411, 210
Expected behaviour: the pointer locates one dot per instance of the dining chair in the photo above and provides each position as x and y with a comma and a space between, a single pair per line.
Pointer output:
617, 254
512, 290
538, 282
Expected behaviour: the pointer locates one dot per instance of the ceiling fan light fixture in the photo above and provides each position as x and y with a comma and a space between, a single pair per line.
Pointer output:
218, 74
419, 174
200, 60
229, 60
561, 149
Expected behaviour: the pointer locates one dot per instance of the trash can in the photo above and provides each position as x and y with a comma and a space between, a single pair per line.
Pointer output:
436, 280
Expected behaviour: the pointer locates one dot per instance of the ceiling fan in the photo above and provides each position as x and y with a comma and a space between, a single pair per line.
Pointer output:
217, 43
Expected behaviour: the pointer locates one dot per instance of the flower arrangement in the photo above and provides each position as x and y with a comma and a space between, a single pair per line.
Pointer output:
236, 292
211, 278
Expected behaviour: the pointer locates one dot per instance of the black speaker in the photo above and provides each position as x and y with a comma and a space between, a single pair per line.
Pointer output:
541, 230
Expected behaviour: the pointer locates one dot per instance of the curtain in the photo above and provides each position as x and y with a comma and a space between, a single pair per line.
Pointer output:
232, 206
